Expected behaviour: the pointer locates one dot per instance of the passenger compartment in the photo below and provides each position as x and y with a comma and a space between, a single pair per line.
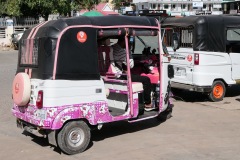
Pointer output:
118, 94
116, 89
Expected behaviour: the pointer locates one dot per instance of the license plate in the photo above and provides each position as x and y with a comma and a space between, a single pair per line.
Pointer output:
41, 114
180, 72
30, 110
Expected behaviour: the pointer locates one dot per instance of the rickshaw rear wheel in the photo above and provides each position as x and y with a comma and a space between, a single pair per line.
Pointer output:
74, 137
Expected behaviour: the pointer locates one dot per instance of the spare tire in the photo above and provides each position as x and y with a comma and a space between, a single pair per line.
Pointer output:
21, 89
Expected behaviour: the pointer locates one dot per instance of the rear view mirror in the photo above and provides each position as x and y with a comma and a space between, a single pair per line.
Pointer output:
175, 41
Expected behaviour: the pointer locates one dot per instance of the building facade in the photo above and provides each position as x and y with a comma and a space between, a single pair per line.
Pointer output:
231, 6
182, 7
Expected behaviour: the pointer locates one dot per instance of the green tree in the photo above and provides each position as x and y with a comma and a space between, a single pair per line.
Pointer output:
10, 7
87, 4
117, 3
64, 7
35, 8
42, 7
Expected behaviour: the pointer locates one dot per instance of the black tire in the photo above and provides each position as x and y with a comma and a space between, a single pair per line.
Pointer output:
218, 91
74, 137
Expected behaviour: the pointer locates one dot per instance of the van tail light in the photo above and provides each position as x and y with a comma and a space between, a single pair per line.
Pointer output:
39, 102
196, 58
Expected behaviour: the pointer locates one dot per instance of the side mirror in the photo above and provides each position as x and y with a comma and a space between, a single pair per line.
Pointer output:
175, 41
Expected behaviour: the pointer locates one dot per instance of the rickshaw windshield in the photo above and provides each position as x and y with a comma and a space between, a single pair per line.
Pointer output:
146, 42
141, 41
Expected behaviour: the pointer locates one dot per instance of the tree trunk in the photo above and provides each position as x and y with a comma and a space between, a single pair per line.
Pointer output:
45, 16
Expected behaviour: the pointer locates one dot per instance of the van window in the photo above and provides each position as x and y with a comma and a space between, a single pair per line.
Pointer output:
233, 40
186, 36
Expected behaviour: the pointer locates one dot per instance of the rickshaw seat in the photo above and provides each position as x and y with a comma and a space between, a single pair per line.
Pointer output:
136, 86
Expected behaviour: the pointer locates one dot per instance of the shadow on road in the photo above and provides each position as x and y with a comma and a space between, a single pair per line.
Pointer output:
109, 130
122, 127
233, 91
190, 96
41, 141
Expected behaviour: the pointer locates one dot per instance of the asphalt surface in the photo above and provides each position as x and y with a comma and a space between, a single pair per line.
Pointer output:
198, 130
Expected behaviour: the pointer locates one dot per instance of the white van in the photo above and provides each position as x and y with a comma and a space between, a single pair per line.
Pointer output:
205, 53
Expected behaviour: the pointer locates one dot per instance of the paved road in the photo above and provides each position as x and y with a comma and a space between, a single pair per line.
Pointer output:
198, 130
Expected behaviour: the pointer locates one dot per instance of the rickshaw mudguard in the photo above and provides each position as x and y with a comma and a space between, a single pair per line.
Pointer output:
73, 113
76, 112
94, 113
55, 117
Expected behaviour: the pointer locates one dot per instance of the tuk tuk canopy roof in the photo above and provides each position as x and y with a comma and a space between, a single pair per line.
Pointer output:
209, 33
59, 52
54, 27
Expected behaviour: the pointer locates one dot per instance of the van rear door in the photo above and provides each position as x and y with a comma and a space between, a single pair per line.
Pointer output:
183, 63
233, 48
235, 58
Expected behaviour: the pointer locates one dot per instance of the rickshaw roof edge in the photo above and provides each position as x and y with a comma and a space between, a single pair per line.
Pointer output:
193, 21
54, 27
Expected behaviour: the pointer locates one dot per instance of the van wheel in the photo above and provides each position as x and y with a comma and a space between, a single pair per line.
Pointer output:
74, 137
218, 91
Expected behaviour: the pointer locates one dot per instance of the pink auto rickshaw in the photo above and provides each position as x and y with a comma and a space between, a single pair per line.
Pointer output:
63, 87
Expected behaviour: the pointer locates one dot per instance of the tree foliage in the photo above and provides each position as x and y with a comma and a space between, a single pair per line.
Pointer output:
118, 3
87, 4
10, 7
36, 8
63, 7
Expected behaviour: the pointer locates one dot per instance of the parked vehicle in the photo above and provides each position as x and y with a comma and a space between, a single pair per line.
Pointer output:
16, 36
205, 53
63, 87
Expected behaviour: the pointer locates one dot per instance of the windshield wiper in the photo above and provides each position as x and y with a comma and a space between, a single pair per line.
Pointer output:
140, 39
236, 32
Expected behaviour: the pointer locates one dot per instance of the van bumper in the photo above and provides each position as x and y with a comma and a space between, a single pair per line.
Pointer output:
191, 87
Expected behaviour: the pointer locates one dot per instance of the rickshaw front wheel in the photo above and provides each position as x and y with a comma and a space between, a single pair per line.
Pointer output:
74, 137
